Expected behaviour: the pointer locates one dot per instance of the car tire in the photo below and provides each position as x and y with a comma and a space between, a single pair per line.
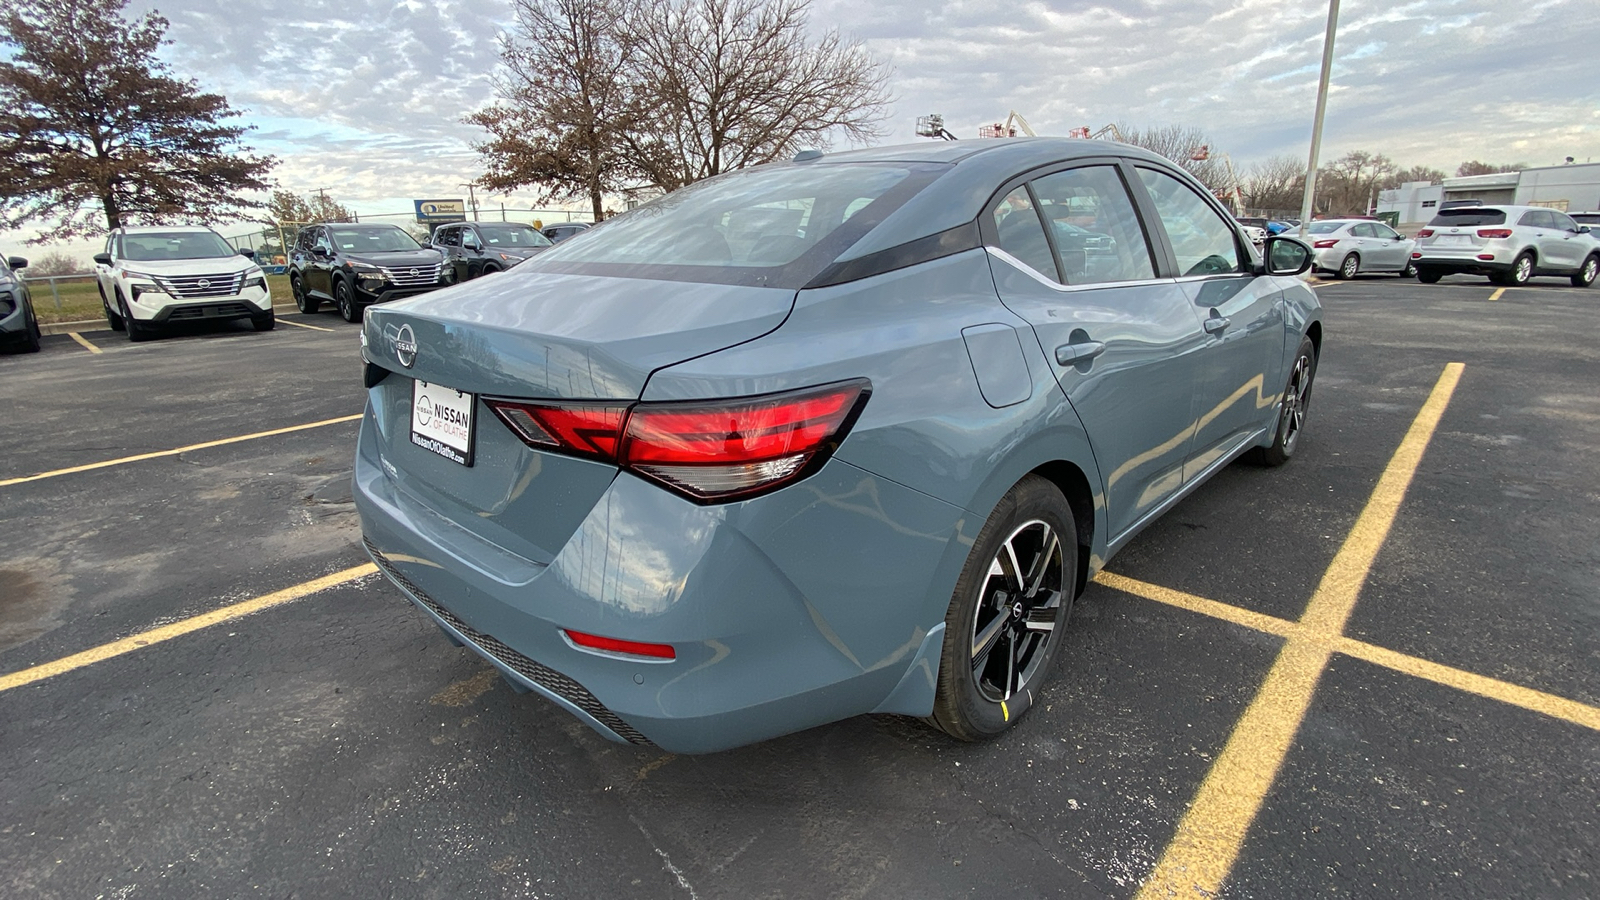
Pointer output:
303, 300
1349, 267
1013, 614
1429, 276
1410, 271
1291, 409
1519, 273
488, 270
1587, 272
113, 319
137, 331
30, 337
345, 298
264, 323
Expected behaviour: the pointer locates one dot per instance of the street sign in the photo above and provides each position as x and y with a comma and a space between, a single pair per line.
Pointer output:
441, 210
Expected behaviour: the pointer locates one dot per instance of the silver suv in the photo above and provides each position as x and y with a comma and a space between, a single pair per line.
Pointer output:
1510, 244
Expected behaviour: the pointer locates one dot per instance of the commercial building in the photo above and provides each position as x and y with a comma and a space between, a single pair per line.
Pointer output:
1571, 187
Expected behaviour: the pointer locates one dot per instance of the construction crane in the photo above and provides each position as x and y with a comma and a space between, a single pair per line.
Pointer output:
1084, 133
1014, 123
932, 126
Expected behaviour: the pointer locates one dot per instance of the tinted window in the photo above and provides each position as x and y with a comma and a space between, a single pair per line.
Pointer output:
1469, 215
1586, 218
1202, 239
512, 236
1324, 227
1022, 234
1385, 231
158, 245
467, 238
448, 237
1095, 229
1364, 229
1536, 218
1562, 221
372, 240
761, 218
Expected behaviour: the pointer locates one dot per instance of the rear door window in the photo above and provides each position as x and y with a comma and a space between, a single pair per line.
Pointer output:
1563, 221
1093, 226
1202, 240
1364, 229
1022, 233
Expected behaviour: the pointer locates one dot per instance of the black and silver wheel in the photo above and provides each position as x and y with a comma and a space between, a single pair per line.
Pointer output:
1349, 267
345, 298
1010, 606
114, 319
1587, 272
303, 300
1292, 408
265, 322
32, 334
137, 331
1521, 270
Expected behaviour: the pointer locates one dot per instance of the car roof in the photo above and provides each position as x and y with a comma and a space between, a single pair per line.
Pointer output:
363, 226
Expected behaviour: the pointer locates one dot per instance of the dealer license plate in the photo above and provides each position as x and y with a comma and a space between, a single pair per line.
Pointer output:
441, 421
1455, 240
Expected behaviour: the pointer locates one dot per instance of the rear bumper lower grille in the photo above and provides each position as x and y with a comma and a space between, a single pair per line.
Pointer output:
536, 672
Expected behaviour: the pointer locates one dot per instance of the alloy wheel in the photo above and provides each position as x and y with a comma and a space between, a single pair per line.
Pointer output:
1295, 399
1348, 268
1017, 611
1523, 270
1591, 270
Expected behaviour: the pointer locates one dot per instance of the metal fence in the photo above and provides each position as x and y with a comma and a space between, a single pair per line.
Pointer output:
55, 282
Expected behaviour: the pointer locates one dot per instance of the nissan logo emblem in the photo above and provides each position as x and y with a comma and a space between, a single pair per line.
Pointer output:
415, 273
203, 283
405, 346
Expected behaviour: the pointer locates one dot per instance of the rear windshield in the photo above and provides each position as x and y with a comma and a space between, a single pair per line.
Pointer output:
1470, 215
777, 225
372, 240
1325, 227
159, 245
1586, 218
513, 236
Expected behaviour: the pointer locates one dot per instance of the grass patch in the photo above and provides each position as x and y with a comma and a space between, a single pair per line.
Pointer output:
79, 299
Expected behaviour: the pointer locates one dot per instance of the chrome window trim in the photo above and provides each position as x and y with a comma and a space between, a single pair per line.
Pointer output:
1074, 288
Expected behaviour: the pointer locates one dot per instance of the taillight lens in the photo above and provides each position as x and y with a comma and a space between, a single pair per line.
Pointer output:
1494, 232
1324, 244
1426, 232
709, 451
664, 652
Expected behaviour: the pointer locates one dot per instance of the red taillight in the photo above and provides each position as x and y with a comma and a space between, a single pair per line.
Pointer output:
1494, 232
706, 450
1426, 232
1323, 245
617, 645
1416, 256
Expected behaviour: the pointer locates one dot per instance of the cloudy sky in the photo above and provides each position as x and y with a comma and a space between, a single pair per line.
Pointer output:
364, 98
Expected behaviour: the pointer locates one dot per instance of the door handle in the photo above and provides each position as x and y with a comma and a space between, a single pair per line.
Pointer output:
1217, 324
1072, 354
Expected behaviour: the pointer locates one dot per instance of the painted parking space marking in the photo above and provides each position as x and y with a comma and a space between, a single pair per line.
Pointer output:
1498, 293
303, 325
85, 342
87, 467
167, 632
1211, 833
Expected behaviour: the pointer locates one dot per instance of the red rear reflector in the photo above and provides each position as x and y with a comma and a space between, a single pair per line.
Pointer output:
1494, 232
1426, 232
617, 645
1486, 256
1416, 256
1323, 245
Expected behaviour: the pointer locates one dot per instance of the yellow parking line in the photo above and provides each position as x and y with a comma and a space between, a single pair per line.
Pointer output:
177, 450
177, 629
85, 342
303, 325
1498, 293
1208, 838
1470, 682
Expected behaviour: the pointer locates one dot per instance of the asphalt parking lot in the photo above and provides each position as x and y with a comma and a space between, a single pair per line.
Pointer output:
1370, 673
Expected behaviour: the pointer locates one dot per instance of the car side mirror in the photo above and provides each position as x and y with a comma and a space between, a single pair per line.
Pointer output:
246, 251
16, 262
1286, 255
102, 259
1584, 229
320, 252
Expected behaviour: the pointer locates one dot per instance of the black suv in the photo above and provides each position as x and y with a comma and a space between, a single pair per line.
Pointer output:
479, 248
356, 265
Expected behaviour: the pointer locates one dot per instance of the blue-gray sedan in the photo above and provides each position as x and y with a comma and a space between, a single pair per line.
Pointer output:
836, 436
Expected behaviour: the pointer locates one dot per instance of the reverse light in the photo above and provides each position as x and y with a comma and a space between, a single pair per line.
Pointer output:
708, 451
1324, 244
1494, 232
1426, 232
618, 645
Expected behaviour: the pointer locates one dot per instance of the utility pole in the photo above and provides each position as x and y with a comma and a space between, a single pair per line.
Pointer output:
1322, 108
472, 200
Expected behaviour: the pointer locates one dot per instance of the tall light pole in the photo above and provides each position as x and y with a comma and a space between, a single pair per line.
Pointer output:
1322, 107
472, 198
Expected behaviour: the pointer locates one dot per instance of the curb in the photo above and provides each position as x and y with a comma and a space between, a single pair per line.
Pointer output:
102, 325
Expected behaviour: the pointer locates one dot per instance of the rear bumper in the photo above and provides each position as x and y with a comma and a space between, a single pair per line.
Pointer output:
792, 610
1446, 265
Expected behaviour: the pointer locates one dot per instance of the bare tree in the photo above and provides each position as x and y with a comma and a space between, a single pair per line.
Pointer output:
289, 208
566, 100
735, 83
55, 262
1415, 173
1277, 183
1189, 147
1474, 167
91, 117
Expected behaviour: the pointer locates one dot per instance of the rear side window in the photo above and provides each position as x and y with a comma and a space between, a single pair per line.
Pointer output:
1093, 226
1365, 229
1022, 234
1202, 240
1469, 215
1323, 227
1536, 218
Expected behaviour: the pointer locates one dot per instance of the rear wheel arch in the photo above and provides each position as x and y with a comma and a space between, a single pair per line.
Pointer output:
1314, 332
1074, 485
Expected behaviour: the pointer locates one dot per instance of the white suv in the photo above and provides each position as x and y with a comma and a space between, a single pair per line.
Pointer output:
1510, 244
155, 275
